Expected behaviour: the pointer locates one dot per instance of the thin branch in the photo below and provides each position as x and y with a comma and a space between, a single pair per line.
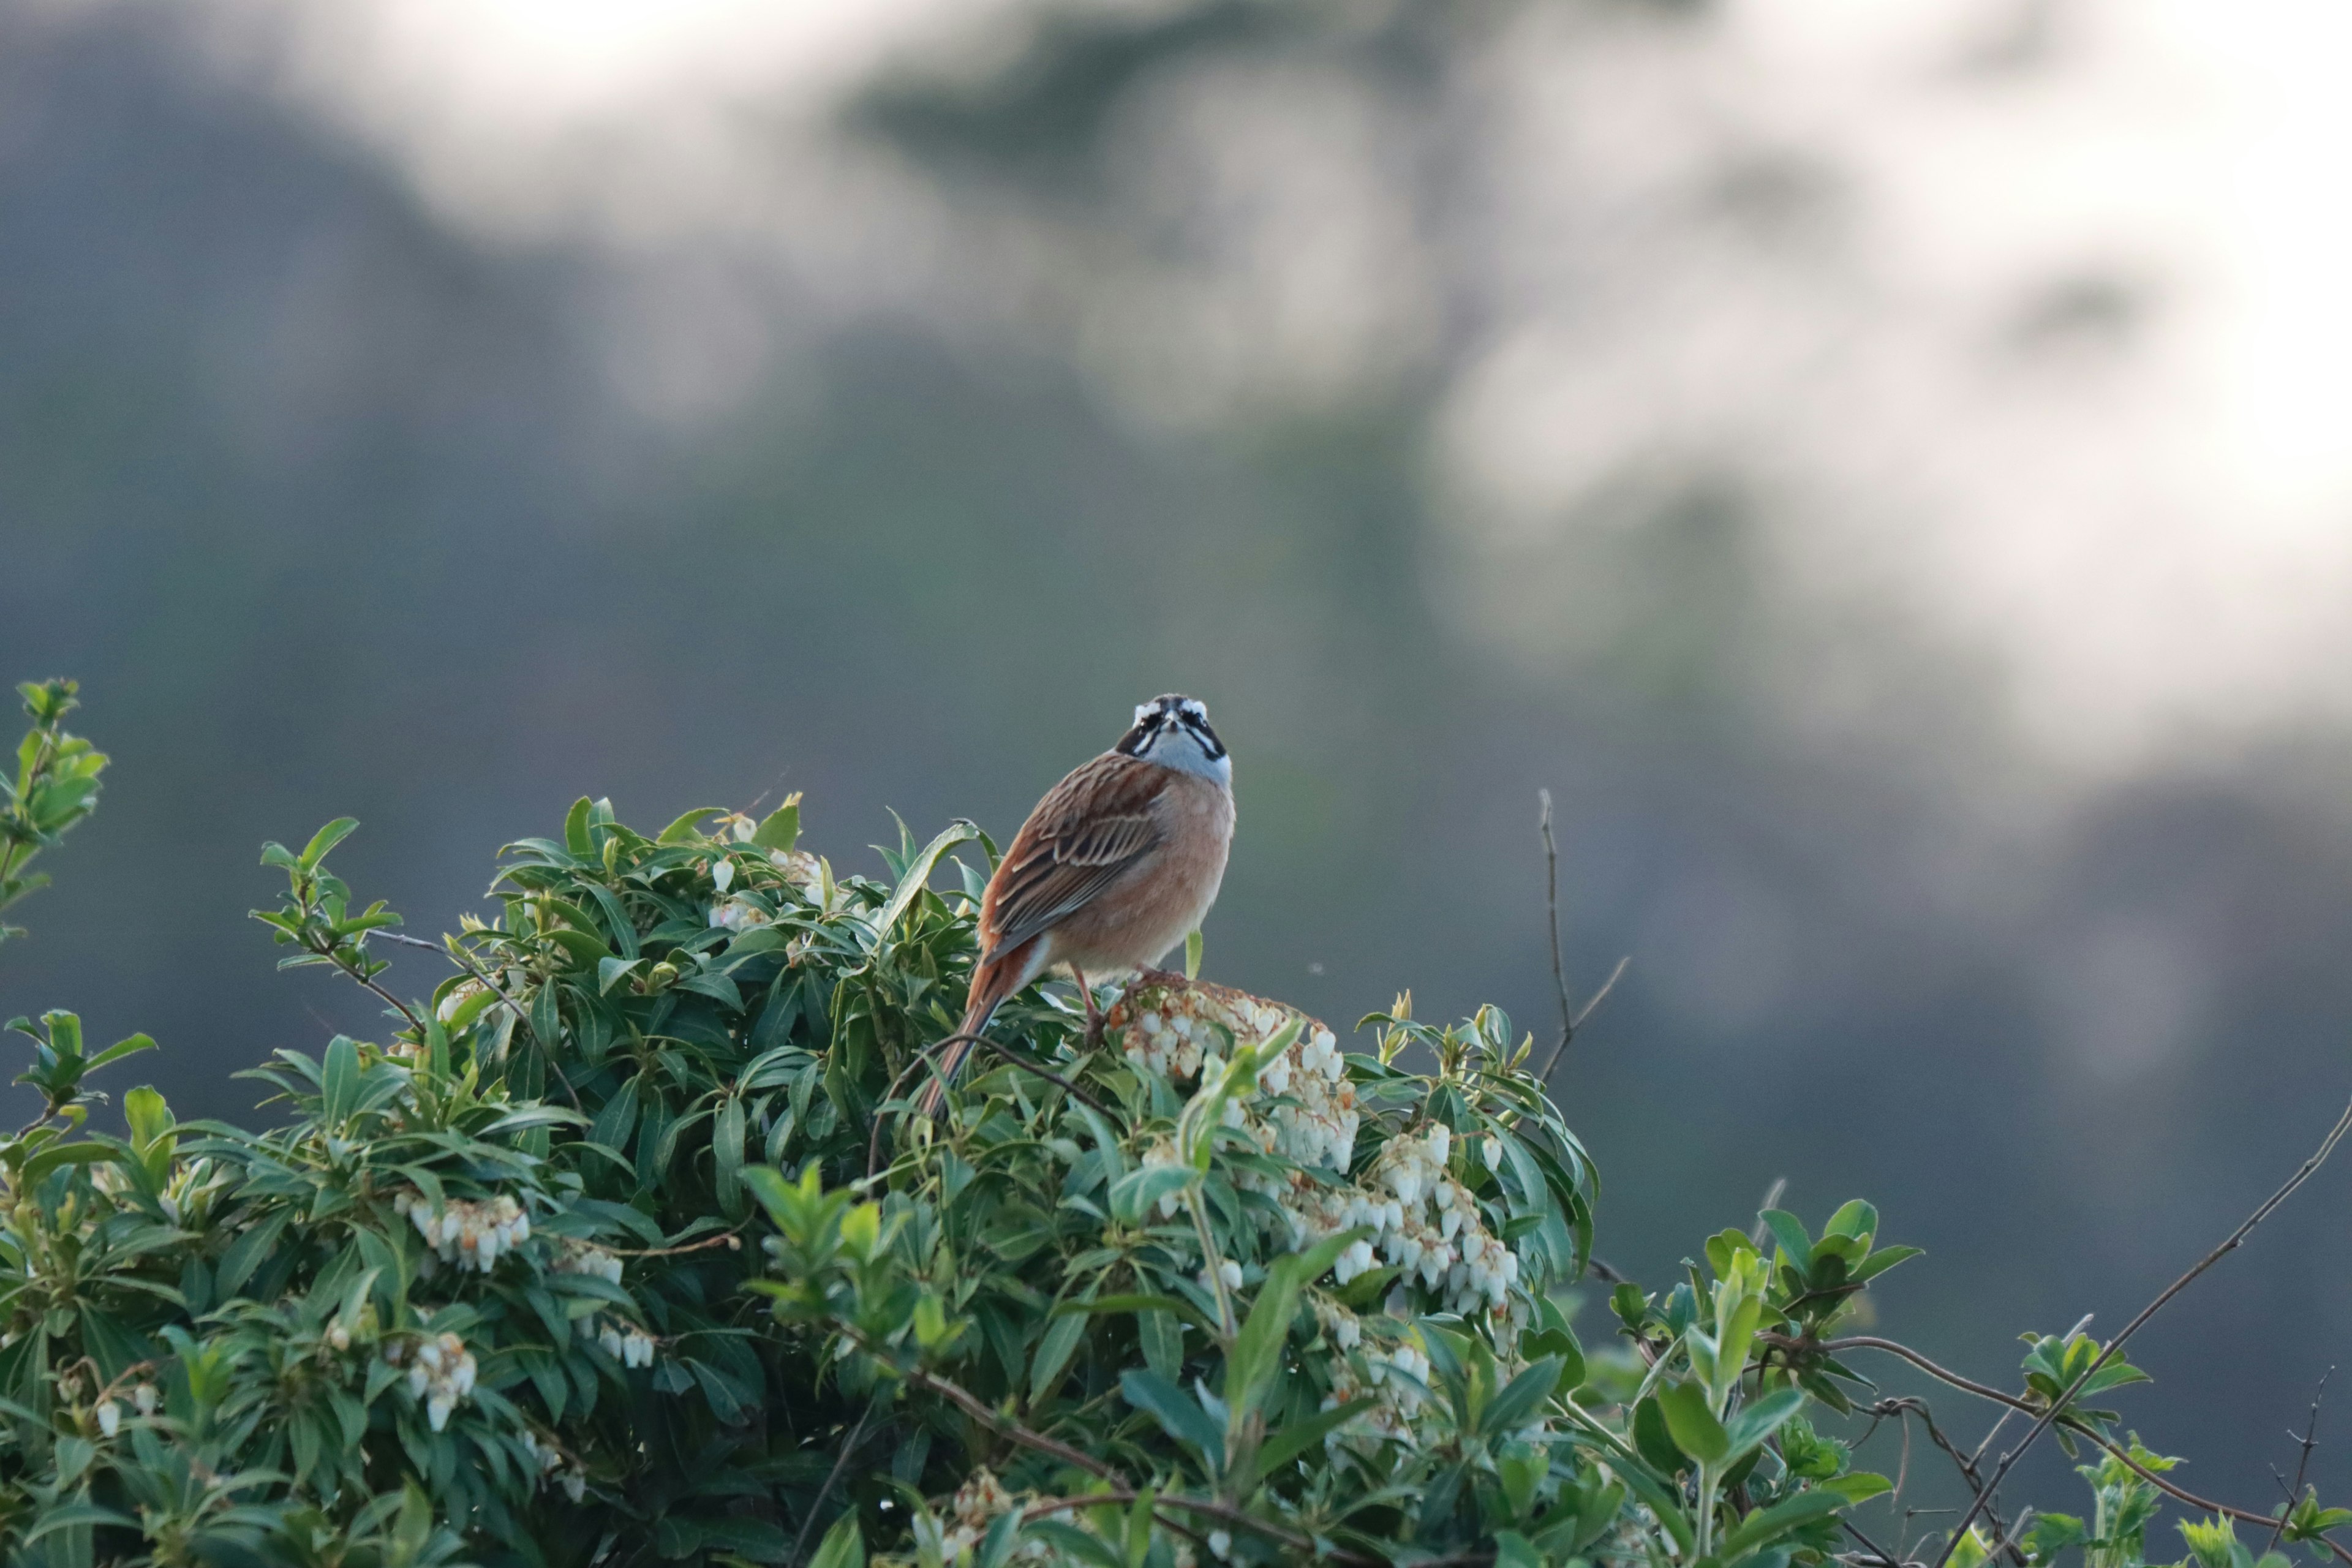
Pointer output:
465, 960
1606, 986
1206, 1510
731, 1239
2230, 1244
2075, 1424
832, 1477
1551, 908
1005, 1427
1878, 1553
1761, 1234
1048, 1075
1907, 1405
925, 1057
2308, 1442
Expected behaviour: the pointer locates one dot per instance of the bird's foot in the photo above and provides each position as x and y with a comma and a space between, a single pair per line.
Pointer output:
1096, 1018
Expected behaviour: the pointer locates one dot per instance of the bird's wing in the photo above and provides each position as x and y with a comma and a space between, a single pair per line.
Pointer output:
1089, 827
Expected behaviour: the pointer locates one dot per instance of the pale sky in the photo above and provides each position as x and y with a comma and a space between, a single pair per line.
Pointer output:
2025, 329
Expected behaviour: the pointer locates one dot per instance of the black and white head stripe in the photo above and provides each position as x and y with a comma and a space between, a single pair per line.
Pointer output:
1165, 718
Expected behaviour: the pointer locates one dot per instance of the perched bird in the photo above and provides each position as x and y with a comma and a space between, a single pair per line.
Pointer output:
1117, 865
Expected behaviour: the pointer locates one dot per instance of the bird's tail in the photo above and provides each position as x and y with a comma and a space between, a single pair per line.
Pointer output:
992, 983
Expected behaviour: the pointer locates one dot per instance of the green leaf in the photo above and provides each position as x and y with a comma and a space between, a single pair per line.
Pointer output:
727, 1134
325, 839
339, 1085
1520, 1397
1789, 1232
1859, 1486
1757, 1421
1295, 1437
65, 1516
1192, 953
1054, 1352
918, 872
576, 828
1253, 1364
1880, 1261
685, 828
780, 830
56, 1156
1696, 1430
1133, 1197
1767, 1525
117, 1051
1178, 1413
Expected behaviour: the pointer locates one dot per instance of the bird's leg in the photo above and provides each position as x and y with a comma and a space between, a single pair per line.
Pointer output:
1095, 1015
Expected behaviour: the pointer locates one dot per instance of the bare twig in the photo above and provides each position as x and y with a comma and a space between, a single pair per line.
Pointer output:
1551, 908
2230, 1244
832, 1477
1878, 1553
1760, 1234
1602, 994
1203, 1507
1905, 1406
1005, 1426
2308, 1441
2079, 1427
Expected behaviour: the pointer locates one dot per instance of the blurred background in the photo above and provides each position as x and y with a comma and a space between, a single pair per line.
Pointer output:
1881, 467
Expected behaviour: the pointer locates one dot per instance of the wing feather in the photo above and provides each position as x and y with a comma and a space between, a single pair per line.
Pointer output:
1087, 831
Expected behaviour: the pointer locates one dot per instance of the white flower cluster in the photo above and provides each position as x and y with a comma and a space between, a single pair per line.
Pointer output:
1427, 1226
587, 1257
144, 1398
1183, 1035
1399, 1398
549, 1460
440, 1372
627, 1343
801, 868
978, 1504
1228, 1270
1423, 1221
736, 914
1340, 1326
464, 990
469, 1235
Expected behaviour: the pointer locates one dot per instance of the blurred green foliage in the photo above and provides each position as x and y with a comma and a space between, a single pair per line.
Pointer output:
623, 1246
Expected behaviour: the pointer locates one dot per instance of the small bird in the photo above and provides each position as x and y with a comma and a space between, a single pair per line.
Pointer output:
1117, 865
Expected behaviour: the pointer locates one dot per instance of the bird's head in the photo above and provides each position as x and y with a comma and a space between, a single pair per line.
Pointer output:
1173, 731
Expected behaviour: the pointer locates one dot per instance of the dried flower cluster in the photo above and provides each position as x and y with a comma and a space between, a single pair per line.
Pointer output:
440, 1372
469, 1235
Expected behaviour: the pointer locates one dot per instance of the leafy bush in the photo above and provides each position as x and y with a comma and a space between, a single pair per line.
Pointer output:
623, 1247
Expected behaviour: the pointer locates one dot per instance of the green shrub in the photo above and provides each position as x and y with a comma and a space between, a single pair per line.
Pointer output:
623, 1248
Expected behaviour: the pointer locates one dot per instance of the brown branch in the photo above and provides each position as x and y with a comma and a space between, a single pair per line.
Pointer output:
849, 1445
1225, 1513
731, 1239
1003, 1425
2073, 1424
1551, 908
2308, 1441
1908, 1407
2230, 1244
